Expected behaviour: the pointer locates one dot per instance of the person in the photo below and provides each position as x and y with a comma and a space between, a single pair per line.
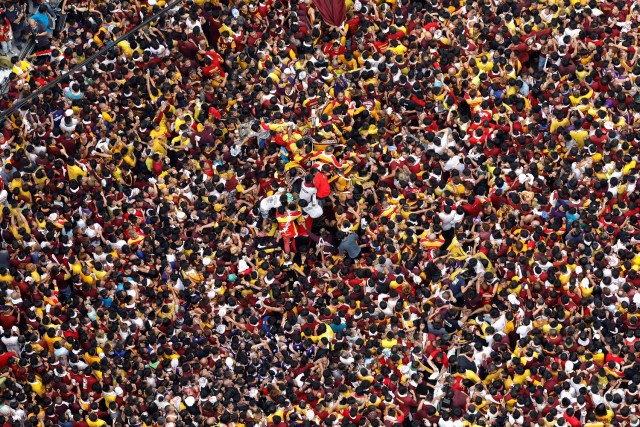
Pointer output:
39, 34
288, 226
349, 245
6, 36
321, 183
43, 16
16, 16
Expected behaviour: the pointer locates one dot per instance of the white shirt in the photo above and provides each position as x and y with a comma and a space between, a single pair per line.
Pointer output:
449, 423
242, 265
523, 330
313, 209
448, 220
271, 202
11, 343
307, 192
500, 324
70, 127
454, 163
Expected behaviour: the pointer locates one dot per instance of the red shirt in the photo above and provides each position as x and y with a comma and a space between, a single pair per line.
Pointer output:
8, 321
4, 358
572, 421
473, 209
321, 182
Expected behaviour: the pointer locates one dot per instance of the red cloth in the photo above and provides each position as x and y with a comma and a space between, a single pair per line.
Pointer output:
332, 11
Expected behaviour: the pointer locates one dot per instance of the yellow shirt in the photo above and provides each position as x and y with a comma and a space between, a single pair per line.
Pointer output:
97, 423
575, 100
75, 171
22, 67
126, 48
579, 135
51, 341
328, 335
581, 75
628, 167
108, 117
109, 397
388, 343
157, 147
555, 124
398, 50
37, 386
521, 379
486, 67
100, 274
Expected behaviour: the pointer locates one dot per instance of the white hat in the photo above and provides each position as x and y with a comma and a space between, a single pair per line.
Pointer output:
229, 362
181, 216
608, 125
119, 391
190, 400
68, 112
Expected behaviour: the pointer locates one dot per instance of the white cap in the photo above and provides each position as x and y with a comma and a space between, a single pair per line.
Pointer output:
229, 362
568, 366
190, 400
68, 112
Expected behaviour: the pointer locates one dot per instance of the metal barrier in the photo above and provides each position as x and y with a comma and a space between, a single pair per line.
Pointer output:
89, 60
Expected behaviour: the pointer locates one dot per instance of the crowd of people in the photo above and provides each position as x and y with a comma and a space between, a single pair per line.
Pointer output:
241, 215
